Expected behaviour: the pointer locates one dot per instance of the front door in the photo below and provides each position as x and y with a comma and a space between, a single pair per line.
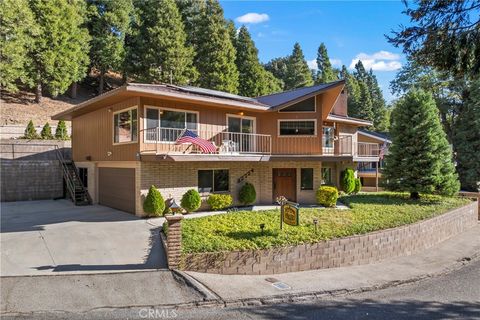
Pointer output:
285, 183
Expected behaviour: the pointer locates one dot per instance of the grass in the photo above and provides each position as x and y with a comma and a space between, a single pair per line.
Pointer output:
369, 212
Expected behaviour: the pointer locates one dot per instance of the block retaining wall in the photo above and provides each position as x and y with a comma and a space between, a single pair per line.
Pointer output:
355, 250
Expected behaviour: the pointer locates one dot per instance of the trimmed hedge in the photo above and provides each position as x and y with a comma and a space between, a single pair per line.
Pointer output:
191, 200
327, 196
358, 186
347, 180
154, 204
219, 201
247, 194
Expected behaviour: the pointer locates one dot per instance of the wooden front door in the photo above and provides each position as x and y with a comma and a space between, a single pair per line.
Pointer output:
285, 183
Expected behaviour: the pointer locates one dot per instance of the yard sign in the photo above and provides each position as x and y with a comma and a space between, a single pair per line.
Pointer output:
290, 214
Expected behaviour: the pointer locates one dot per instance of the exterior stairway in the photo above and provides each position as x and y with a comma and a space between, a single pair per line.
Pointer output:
75, 188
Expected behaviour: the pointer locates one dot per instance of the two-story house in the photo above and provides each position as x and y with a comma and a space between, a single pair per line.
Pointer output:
287, 143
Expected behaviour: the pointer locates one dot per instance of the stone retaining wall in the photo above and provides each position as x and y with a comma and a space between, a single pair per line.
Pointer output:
355, 250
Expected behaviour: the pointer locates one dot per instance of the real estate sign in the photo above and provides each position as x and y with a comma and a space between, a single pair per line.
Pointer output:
290, 214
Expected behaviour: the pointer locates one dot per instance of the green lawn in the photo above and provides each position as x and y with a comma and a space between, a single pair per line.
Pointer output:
369, 212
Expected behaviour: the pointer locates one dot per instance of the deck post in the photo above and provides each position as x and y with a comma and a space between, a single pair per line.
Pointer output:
376, 176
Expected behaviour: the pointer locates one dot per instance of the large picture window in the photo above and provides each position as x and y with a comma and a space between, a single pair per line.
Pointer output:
297, 128
125, 126
306, 177
213, 181
170, 122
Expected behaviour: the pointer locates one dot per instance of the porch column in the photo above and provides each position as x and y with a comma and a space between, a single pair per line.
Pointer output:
376, 176
174, 240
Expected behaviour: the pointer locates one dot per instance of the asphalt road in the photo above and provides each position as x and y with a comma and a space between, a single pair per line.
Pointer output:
452, 296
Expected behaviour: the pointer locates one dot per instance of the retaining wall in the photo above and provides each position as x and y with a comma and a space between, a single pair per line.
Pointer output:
355, 250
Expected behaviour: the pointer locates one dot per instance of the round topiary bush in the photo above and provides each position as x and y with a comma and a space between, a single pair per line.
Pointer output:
358, 186
154, 203
327, 196
219, 201
347, 180
191, 200
247, 194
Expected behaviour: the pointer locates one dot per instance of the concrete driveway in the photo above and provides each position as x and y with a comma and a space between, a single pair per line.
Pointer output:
56, 237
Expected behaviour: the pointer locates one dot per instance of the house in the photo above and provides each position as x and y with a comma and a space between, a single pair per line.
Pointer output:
287, 143
370, 172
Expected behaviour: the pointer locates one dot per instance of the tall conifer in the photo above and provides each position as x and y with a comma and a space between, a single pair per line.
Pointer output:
297, 74
325, 72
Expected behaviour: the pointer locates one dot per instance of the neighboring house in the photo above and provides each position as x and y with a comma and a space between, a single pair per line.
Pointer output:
286, 144
370, 172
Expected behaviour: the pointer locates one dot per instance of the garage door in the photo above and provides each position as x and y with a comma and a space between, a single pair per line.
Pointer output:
116, 188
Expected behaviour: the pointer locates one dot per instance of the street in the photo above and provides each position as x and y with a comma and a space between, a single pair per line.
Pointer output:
452, 296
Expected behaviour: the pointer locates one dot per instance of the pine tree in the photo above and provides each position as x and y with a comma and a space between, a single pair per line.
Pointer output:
270, 83
192, 12
325, 72
215, 56
61, 132
420, 158
17, 34
46, 133
159, 53
467, 140
379, 108
60, 51
108, 23
278, 68
30, 131
298, 74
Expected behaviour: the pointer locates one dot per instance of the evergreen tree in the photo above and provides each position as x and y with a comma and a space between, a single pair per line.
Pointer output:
192, 12
270, 83
60, 51
61, 132
30, 131
215, 56
17, 33
467, 140
108, 23
420, 158
278, 68
379, 108
325, 71
297, 74
46, 133
159, 53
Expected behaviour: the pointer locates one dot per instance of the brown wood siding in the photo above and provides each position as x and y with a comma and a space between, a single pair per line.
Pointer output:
92, 135
116, 188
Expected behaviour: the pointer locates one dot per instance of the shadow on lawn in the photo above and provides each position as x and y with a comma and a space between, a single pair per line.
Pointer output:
386, 200
251, 234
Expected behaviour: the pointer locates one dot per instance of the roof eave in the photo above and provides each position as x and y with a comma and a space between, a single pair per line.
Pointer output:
359, 122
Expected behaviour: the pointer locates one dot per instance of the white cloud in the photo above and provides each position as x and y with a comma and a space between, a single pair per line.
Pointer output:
336, 62
378, 61
312, 64
253, 17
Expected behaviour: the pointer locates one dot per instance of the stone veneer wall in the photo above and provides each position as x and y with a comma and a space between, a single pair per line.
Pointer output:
355, 250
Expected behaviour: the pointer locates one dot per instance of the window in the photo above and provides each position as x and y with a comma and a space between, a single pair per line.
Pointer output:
307, 105
213, 180
328, 136
171, 123
306, 177
327, 176
125, 126
297, 128
83, 173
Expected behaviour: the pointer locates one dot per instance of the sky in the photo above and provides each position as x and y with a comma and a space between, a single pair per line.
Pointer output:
351, 30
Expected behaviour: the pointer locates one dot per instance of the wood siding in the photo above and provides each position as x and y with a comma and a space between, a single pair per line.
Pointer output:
92, 135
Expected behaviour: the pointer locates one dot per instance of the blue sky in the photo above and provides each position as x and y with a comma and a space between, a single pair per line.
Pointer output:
350, 29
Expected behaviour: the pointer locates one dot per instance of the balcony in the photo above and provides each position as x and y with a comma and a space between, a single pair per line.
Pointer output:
162, 141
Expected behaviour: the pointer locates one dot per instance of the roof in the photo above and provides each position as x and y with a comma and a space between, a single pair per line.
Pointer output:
280, 99
378, 135
349, 120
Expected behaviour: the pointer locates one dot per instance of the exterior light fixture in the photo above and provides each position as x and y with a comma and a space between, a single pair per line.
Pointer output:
174, 207
315, 222
240, 113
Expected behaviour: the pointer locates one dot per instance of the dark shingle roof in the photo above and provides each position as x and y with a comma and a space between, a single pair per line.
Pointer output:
281, 98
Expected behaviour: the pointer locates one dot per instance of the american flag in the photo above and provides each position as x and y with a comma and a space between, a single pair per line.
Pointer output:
383, 150
191, 137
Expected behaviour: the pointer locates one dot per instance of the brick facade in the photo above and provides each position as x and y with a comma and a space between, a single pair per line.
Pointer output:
355, 250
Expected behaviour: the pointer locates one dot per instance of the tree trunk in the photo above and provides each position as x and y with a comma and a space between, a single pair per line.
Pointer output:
414, 195
73, 90
38, 92
101, 84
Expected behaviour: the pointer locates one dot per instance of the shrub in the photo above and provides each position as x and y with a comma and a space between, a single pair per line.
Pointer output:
61, 131
191, 200
327, 196
247, 194
347, 180
30, 132
219, 201
154, 203
358, 186
46, 133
